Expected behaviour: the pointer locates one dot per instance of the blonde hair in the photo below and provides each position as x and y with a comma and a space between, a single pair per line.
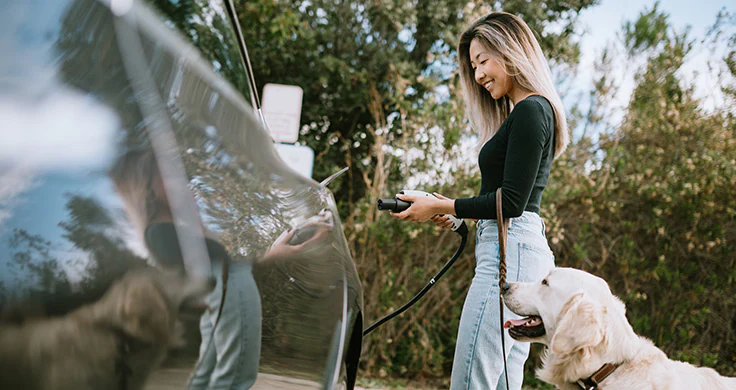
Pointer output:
137, 180
512, 43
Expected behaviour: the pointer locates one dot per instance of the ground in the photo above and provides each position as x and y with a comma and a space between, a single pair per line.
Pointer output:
176, 378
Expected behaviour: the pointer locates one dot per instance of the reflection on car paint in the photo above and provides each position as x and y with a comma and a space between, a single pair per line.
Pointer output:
66, 233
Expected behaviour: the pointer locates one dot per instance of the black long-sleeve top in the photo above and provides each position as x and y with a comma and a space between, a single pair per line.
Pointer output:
518, 159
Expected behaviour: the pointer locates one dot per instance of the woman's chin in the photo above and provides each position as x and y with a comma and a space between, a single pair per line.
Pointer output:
498, 92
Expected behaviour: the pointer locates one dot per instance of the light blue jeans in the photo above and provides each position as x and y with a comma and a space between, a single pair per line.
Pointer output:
478, 363
231, 361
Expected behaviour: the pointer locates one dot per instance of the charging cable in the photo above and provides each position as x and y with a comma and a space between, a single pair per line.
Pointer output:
458, 226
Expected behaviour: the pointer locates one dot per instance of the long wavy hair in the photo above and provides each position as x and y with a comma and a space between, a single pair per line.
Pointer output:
511, 42
138, 181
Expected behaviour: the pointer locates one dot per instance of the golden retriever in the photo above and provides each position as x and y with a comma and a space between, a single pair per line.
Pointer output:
584, 327
114, 343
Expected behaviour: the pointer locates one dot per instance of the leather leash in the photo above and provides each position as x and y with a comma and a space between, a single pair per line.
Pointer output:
503, 230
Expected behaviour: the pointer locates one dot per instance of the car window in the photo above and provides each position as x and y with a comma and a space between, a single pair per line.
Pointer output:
206, 24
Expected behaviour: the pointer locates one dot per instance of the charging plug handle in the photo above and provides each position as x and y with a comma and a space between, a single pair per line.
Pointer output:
397, 205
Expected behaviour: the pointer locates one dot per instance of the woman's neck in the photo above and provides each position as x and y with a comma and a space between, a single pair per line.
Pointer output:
518, 94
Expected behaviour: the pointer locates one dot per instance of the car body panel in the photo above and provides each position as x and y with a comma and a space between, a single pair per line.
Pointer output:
82, 83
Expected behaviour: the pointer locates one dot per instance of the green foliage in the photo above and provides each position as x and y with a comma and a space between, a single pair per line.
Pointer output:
649, 29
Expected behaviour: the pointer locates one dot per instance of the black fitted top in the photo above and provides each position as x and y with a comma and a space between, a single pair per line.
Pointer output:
162, 241
518, 159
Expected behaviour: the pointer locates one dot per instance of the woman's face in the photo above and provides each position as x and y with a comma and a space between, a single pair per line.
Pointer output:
488, 72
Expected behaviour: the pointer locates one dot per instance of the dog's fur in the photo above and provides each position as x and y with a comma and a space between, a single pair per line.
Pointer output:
585, 327
125, 333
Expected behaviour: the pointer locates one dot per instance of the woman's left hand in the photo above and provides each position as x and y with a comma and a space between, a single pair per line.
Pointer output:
281, 249
421, 210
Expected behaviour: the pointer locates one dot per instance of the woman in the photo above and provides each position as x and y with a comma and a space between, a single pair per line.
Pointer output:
230, 352
512, 103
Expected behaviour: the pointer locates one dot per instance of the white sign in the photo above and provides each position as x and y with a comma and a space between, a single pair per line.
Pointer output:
299, 158
282, 108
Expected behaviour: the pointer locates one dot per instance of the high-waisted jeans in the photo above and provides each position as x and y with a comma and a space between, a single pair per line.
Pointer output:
231, 361
478, 363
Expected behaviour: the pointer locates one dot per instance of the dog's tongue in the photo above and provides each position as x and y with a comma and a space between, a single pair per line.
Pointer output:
519, 322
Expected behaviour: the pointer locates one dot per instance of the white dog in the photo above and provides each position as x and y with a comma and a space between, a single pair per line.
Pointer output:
584, 326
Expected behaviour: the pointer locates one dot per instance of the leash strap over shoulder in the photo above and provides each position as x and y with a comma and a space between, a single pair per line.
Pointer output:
503, 226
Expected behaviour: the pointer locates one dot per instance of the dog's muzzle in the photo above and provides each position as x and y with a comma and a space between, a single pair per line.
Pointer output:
527, 327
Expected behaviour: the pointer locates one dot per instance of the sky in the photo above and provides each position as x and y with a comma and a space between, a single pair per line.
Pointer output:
600, 24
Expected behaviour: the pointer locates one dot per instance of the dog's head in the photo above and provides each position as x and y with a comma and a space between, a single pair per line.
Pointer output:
145, 303
566, 310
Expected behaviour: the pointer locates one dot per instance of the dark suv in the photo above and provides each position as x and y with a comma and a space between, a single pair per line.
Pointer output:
88, 86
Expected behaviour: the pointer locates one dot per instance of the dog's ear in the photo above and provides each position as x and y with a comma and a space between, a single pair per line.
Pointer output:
144, 311
580, 325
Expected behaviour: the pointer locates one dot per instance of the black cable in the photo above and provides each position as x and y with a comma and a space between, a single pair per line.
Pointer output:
463, 232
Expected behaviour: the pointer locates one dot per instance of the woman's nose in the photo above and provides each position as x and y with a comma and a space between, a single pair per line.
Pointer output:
479, 75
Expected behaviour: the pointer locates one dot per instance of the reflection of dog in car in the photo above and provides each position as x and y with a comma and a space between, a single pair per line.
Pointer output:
114, 343
588, 336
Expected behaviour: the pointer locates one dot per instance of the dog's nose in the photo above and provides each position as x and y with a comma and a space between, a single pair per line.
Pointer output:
505, 288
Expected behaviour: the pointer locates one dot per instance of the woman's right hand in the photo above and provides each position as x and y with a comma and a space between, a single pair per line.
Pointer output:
442, 220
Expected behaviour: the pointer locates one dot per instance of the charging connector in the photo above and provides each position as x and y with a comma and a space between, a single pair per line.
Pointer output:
397, 205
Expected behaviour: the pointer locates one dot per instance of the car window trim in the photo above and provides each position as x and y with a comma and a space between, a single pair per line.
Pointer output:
255, 100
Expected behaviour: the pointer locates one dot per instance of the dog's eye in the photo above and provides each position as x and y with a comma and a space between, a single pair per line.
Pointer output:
544, 282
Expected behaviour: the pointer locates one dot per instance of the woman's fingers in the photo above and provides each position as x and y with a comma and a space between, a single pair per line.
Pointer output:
442, 221
400, 216
447, 223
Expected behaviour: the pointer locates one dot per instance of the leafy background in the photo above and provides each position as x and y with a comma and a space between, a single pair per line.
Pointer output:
643, 197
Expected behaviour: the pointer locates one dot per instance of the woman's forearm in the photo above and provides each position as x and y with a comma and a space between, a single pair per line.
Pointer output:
445, 206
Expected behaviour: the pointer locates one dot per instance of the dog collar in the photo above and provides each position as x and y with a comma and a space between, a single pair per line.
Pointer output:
592, 382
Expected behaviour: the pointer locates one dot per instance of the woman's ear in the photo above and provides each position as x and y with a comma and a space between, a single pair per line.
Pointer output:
580, 325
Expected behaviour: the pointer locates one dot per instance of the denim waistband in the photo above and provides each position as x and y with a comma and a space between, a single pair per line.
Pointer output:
528, 223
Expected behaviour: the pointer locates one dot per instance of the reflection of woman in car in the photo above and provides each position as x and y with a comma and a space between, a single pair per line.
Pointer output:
230, 359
